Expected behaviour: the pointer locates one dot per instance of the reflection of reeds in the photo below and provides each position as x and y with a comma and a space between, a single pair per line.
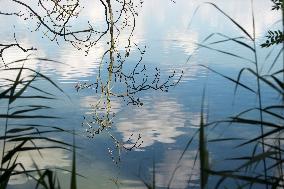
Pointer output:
25, 104
203, 152
151, 185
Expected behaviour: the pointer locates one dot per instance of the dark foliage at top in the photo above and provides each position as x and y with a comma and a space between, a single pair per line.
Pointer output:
277, 4
275, 37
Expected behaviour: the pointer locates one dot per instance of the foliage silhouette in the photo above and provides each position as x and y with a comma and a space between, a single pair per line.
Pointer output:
275, 37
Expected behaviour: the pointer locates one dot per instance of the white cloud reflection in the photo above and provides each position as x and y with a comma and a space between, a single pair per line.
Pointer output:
159, 121
77, 64
240, 11
183, 40
173, 19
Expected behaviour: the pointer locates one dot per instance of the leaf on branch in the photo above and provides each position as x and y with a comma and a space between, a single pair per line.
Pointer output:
273, 37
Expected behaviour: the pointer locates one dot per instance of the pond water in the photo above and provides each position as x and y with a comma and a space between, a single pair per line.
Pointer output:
167, 120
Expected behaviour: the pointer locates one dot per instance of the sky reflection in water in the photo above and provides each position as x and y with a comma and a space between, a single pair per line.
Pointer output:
164, 120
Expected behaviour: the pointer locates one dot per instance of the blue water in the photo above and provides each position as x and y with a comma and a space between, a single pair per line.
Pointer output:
167, 120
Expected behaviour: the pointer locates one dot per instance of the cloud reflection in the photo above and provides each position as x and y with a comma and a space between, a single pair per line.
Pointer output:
159, 121
210, 17
77, 64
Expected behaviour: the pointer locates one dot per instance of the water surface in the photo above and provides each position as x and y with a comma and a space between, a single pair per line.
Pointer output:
167, 120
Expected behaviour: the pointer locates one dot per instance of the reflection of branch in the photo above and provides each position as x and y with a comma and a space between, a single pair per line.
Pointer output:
119, 146
102, 117
56, 17
128, 84
62, 31
4, 47
11, 14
